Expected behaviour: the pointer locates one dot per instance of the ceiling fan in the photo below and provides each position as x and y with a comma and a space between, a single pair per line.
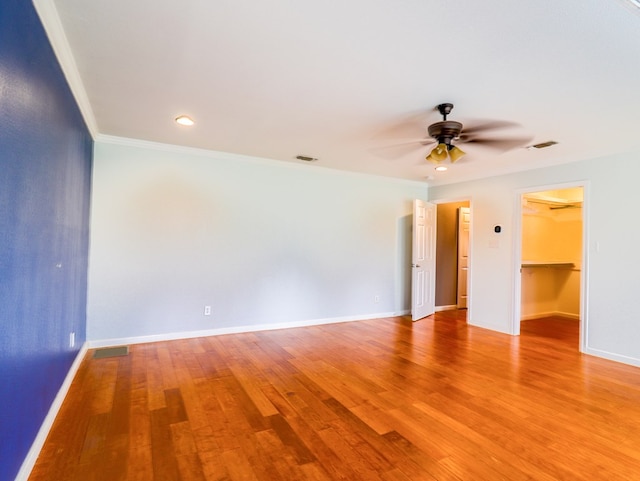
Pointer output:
444, 132
449, 133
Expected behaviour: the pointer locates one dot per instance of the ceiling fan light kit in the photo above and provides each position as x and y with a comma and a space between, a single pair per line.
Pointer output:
443, 152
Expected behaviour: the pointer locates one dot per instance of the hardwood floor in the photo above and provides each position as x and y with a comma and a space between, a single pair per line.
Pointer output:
385, 399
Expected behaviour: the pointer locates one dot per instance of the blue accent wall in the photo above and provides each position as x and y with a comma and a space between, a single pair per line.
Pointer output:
45, 179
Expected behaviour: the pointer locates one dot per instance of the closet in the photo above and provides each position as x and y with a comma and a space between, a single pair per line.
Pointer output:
551, 253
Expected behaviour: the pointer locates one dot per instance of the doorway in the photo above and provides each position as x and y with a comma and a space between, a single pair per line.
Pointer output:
452, 261
551, 258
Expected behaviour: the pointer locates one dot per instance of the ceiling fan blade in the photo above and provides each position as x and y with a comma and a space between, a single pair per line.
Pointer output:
410, 126
395, 151
502, 144
473, 127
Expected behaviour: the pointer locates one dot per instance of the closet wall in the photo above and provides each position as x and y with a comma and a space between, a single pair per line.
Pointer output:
551, 256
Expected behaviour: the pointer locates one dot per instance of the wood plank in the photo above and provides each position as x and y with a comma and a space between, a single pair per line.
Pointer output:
163, 454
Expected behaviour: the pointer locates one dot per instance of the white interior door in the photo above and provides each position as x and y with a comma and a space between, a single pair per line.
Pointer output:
464, 215
423, 268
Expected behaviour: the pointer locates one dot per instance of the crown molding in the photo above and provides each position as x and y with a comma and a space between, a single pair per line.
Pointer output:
50, 19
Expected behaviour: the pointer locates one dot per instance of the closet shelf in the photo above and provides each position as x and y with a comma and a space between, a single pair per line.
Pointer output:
547, 264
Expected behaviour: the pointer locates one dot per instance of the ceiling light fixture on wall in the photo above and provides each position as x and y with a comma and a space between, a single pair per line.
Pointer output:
184, 120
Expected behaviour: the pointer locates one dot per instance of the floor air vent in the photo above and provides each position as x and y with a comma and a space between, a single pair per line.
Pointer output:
111, 352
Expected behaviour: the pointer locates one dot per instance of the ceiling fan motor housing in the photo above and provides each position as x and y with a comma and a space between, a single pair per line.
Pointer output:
444, 132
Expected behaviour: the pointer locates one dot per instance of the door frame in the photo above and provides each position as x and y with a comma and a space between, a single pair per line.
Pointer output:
455, 200
584, 268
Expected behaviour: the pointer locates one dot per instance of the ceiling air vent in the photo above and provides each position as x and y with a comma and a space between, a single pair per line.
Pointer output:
543, 145
306, 158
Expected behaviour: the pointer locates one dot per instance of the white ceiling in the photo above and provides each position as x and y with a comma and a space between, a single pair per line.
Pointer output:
339, 80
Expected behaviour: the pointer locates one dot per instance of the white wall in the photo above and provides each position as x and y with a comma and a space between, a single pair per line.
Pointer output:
263, 242
613, 315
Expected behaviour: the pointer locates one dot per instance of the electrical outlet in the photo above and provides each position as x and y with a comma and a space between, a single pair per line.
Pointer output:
72, 339
207, 310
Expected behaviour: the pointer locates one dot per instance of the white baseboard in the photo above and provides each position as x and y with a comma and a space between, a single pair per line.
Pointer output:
452, 307
43, 432
612, 356
537, 315
540, 315
235, 330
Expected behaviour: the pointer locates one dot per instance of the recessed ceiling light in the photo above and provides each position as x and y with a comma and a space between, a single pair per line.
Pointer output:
185, 120
441, 168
